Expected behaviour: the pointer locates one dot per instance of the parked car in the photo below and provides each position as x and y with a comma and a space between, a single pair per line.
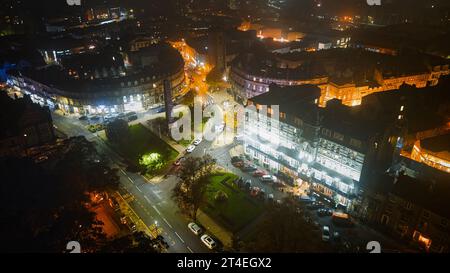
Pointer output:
179, 160
268, 178
133, 117
197, 141
83, 118
220, 128
239, 138
195, 228
314, 206
190, 149
259, 173
342, 219
248, 168
324, 212
326, 233
208, 241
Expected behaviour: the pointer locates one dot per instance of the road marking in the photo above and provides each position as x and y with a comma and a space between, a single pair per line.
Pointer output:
138, 189
190, 250
164, 219
179, 237
156, 209
146, 179
146, 198
156, 193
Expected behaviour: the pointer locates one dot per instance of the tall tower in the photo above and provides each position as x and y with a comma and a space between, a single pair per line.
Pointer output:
168, 102
216, 50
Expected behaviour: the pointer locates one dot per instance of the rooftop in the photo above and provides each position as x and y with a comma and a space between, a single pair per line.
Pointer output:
429, 194
437, 144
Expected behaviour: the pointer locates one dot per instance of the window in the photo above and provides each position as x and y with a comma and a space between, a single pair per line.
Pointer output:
355, 143
409, 206
326, 132
338, 136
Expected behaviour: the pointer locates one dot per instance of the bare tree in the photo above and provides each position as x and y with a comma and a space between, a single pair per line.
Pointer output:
194, 176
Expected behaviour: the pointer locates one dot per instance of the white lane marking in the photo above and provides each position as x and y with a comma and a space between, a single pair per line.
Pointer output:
146, 198
146, 179
164, 219
138, 189
179, 237
190, 250
157, 194
154, 207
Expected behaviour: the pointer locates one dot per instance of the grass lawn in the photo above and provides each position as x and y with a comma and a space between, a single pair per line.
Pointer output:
143, 141
185, 143
236, 212
199, 128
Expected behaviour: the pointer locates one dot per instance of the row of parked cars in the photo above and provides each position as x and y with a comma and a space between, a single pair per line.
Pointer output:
129, 116
159, 242
206, 239
194, 144
246, 166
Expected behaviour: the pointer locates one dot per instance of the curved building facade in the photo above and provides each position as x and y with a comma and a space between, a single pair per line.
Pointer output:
114, 87
251, 75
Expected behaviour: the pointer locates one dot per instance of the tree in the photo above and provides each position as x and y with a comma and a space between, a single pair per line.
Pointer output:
284, 230
152, 162
41, 210
194, 177
117, 131
137, 242
159, 126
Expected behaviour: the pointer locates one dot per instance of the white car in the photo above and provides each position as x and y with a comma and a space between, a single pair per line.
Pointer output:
197, 141
326, 234
195, 228
190, 149
219, 128
268, 178
208, 241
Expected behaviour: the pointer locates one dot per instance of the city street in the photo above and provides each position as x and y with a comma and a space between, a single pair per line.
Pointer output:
152, 202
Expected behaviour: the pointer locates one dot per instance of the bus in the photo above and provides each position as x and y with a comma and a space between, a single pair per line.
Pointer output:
342, 219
